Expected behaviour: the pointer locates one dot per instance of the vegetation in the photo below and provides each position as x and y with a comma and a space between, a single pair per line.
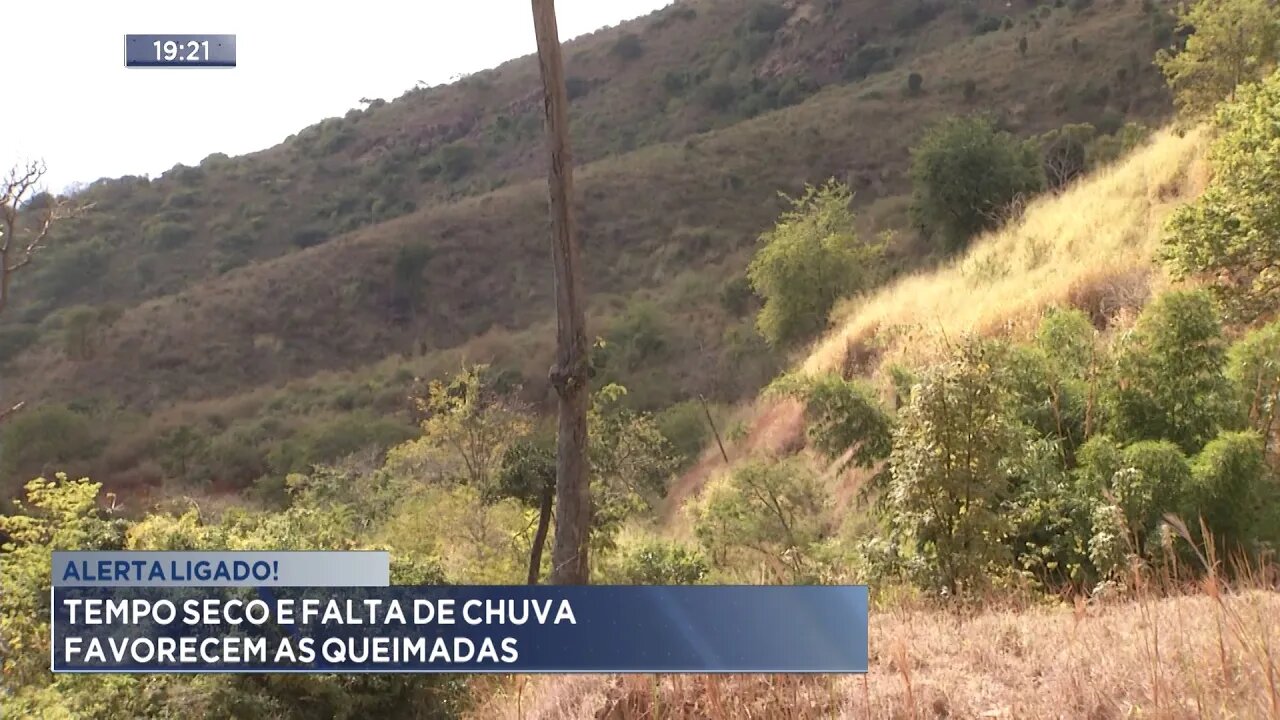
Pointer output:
966, 175
1232, 43
810, 259
1043, 415
1231, 235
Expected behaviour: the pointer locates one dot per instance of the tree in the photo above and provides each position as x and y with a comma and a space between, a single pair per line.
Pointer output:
631, 461
528, 474
466, 427
1253, 364
26, 217
811, 258
1232, 42
1231, 493
1065, 153
772, 511
950, 467
965, 174
1231, 234
569, 376
1168, 382
843, 419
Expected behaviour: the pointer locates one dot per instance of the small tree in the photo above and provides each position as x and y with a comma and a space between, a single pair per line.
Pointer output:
1232, 42
810, 259
1231, 493
1253, 364
1231, 234
528, 474
843, 418
965, 174
774, 512
915, 84
1168, 382
466, 427
950, 467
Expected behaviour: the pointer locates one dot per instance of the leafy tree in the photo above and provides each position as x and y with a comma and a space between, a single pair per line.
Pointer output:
58, 513
775, 512
1168, 382
950, 467
810, 259
1231, 234
528, 474
1231, 492
1253, 364
46, 434
180, 448
843, 418
631, 461
1233, 42
965, 173
1065, 153
466, 427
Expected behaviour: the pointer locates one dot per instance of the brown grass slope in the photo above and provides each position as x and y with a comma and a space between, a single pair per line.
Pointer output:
194, 223
1187, 656
645, 215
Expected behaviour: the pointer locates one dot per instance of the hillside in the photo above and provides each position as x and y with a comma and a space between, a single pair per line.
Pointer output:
319, 277
1165, 649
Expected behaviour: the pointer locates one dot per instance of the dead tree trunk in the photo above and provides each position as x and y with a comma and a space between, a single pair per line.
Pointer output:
569, 376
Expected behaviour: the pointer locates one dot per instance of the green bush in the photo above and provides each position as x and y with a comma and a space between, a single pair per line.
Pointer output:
685, 427
45, 435
965, 173
629, 46
166, 235
811, 258
1169, 379
660, 562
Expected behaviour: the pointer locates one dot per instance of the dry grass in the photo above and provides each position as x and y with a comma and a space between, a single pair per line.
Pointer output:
1092, 246
1187, 656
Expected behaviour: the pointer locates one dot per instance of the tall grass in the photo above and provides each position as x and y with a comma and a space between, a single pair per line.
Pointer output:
1092, 245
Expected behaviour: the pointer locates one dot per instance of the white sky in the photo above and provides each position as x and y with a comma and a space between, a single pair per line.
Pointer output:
69, 100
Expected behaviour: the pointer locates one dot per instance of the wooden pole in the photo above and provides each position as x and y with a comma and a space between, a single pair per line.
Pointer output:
569, 376
712, 423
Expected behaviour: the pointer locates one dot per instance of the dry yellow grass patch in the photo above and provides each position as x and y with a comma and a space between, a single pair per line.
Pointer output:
1179, 657
1091, 246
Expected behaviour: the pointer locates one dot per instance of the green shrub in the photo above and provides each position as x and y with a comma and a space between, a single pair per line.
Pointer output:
660, 562
811, 258
627, 47
965, 173
685, 427
45, 435
166, 235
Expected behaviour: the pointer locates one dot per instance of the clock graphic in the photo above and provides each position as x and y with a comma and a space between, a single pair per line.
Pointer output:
179, 50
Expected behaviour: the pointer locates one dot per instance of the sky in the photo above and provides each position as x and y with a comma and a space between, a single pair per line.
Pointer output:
70, 102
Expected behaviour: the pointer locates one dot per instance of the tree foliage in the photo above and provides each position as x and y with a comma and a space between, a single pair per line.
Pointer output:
965, 174
843, 418
811, 258
1231, 234
772, 513
951, 470
1169, 378
1232, 42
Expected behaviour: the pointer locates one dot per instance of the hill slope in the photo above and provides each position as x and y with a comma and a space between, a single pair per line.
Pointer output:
1092, 248
458, 272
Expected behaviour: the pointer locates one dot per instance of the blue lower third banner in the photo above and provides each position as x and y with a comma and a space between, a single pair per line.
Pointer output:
519, 629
